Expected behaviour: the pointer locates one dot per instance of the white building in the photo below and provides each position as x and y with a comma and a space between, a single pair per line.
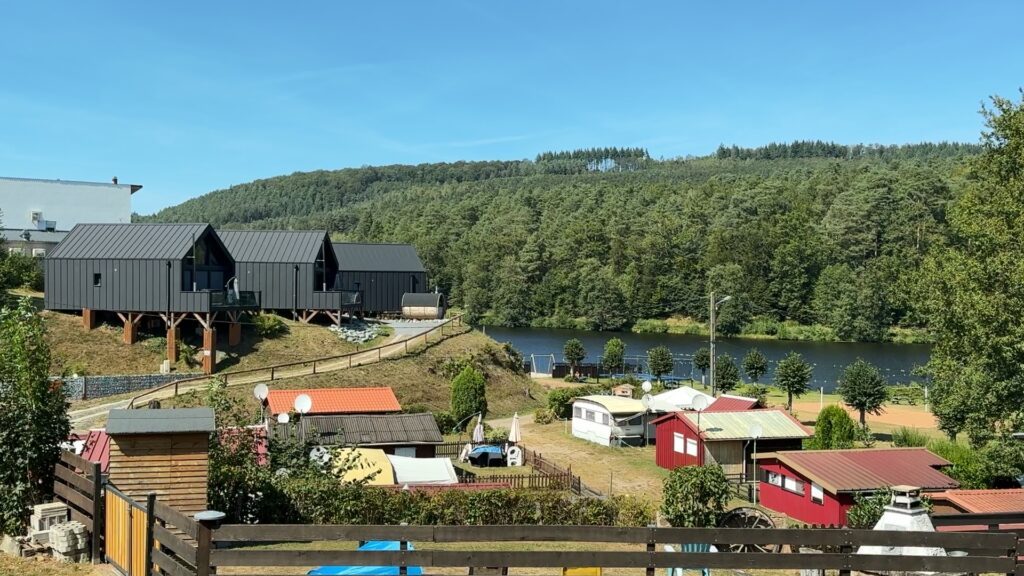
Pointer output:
36, 214
608, 420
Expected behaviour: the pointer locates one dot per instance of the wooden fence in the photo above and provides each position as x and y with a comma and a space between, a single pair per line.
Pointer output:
560, 478
243, 547
306, 367
78, 482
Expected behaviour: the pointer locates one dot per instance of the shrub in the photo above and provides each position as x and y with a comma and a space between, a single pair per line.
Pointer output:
650, 325
754, 391
867, 510
834, 430
469, 394
695, 496
445, 422
968, 465
560, 400
543, 416
497, 435
904, 437
269, 326
155, 344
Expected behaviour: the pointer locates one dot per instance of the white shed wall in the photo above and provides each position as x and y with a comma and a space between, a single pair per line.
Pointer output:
65, 202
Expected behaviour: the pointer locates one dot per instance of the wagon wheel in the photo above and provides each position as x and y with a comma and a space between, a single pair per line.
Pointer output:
746, 517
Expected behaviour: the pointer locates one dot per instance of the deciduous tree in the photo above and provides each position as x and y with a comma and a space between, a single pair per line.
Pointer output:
755, 364
727, 375
660, 361
695, 496
574, 353
863, 388
613, 358
792, 376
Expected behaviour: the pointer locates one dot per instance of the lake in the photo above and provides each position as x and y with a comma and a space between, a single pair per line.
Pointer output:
896, 361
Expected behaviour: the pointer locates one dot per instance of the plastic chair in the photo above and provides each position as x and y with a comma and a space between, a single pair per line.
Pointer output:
692, 549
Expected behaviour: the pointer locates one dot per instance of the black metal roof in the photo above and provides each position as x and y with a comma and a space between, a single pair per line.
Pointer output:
273, 246
166, 421
367, 430
421, 300
129, 241
357, 257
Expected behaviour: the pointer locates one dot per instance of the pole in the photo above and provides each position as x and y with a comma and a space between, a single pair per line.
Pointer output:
711, 332
150, 520
755, 471
821, 400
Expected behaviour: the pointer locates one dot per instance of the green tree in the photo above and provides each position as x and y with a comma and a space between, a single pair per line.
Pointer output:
834, 430
469, 394
702, 361
863, 389
695, 496
971, 291
660, 361
730, 279
792, 376
727, 375
574, 353
867, 510
755, 364
33, 416
613, 358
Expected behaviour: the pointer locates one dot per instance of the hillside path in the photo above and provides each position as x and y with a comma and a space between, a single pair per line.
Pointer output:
96, 416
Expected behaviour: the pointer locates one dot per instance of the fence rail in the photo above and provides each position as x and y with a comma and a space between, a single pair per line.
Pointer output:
562, 477
311, 366
539, 481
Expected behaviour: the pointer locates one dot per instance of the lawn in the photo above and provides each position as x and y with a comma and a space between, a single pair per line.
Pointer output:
10, 566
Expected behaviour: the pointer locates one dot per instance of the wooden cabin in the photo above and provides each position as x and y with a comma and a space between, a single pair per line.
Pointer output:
164, 451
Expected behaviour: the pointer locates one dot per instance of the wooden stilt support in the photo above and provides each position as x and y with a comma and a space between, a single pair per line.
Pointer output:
209, 340
172, 320
88, 318
131, 325
234, 329
334, 315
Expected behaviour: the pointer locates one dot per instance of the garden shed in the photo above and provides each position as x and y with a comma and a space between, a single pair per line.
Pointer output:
166, 451
415, 435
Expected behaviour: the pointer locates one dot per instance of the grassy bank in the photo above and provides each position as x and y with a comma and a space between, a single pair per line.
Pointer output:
770, 329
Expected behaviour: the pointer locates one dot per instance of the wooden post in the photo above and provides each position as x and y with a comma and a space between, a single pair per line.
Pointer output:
204, 536
209, 350
85, 387
97, 512
150, 517
650, 549
846, 549
403, 545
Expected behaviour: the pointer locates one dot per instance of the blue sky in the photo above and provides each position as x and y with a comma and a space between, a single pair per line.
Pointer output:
189, 97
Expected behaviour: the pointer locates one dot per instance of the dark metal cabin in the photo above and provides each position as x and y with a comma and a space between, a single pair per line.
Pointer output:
140, 268
381, 273
292, 269
174, 271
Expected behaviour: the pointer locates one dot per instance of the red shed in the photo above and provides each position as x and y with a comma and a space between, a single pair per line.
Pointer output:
725, 438
817, 486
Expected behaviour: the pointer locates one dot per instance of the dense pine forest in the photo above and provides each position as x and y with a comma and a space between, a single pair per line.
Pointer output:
807, 233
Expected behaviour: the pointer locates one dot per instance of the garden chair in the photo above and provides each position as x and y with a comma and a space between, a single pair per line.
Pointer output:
693, 549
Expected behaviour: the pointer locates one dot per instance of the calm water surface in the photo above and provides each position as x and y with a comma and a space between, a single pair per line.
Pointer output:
896, 361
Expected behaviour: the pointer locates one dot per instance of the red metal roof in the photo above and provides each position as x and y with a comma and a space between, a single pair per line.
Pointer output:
867, 469
727, 403
985, 501
337, 400
97, 448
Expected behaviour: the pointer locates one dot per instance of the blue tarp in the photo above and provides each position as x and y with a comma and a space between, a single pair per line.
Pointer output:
484, 449
379, 545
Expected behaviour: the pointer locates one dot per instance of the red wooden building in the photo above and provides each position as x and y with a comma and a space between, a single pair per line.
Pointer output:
818, 486
695, 438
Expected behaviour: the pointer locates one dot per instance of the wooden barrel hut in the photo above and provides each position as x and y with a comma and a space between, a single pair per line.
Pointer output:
423, 306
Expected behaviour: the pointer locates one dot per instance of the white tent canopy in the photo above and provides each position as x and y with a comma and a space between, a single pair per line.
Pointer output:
414, 471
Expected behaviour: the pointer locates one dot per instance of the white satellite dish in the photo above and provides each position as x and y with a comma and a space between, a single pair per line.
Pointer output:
646, 386
260, 392
320, 455
646, 401
303, 403
755, 431
283, 418
699, 403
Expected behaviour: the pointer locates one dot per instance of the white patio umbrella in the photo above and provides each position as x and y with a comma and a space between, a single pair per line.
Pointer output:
515, 435
478, 431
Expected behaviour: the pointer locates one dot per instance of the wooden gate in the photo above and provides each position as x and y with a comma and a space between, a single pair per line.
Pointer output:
125, 534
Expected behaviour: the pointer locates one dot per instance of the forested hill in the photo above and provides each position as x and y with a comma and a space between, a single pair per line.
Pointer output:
813, 232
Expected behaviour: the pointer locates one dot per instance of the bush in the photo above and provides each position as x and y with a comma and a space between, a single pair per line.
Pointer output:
155, 344
543, 416
269, 326
834, 430
867, 510
497, 435
968, 465
695, 496
560, 400
445, 422
21, 271
754, 391
469, 394
650, 325
904, 437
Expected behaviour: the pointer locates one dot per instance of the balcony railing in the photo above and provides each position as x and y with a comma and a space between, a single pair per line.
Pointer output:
335, 299
228, 300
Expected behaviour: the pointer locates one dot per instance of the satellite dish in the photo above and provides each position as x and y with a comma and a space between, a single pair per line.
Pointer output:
646, 401
283, 418
699, 403
755, 431
303, 403
260, 392
646, 386
320, 455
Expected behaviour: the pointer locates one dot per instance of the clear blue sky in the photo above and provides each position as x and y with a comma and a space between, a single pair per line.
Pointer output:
188, 97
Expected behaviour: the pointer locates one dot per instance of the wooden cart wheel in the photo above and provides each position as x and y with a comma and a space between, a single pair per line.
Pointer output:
746, 517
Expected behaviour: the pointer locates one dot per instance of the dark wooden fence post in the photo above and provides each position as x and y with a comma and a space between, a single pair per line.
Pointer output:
651, 547
97, 512
846, 550
204, 537
403, 545
150, 517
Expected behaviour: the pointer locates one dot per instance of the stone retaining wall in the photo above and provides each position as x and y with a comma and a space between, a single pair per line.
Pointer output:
85, 387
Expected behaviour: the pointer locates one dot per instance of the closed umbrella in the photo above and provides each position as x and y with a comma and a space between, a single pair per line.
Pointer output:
478, 432
515, 435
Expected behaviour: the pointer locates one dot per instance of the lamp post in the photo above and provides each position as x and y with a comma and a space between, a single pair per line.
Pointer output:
711, 331
699, 404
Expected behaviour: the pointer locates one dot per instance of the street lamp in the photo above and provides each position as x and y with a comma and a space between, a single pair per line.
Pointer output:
711, 329
699, 404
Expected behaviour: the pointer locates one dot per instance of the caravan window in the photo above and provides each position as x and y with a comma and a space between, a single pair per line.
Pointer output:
604, 419
577, 412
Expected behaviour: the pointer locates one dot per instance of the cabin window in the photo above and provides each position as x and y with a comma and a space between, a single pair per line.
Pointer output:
691, 446
97, 279
793, 485
14, 250
678, 443
817, 494
577, 412
38, 252
774, 479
